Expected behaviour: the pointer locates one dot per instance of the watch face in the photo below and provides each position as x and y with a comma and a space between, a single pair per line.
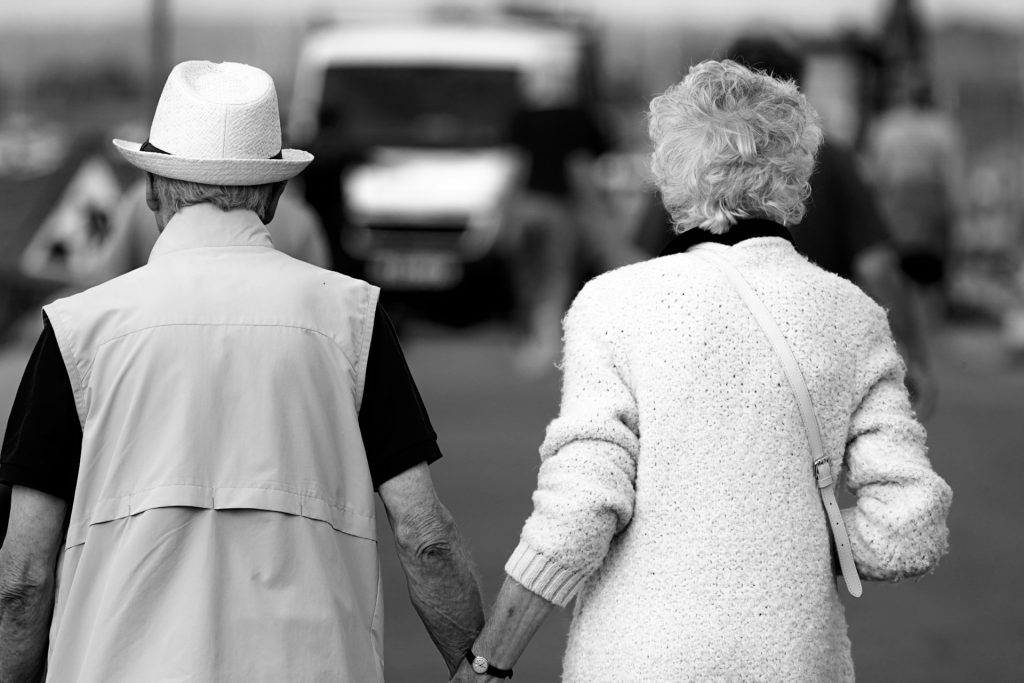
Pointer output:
479, 665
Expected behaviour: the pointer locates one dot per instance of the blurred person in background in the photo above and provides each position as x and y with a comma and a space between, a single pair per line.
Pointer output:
916, 157
295, 230
843, 230
557, 139
676, 501
195, 445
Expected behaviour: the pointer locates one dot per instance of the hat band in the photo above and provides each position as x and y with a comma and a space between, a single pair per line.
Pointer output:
148, 146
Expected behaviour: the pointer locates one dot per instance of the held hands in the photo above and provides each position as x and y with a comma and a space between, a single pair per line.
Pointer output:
515, 617
465, 674
477, 668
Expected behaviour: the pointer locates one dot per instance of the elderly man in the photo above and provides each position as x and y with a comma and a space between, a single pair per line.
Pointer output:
216, 423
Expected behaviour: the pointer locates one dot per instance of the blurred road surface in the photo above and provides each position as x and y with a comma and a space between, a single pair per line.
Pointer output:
964, 623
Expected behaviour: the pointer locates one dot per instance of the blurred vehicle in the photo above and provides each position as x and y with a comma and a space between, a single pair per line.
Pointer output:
409, 122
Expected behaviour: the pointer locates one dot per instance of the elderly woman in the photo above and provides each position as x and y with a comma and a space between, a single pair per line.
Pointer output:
676, 499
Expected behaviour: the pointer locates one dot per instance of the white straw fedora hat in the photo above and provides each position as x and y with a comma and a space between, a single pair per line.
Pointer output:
217, 124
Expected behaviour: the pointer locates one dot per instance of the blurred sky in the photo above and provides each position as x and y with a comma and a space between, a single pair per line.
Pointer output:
797, 13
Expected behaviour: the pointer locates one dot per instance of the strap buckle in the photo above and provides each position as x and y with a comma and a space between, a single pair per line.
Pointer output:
823, 472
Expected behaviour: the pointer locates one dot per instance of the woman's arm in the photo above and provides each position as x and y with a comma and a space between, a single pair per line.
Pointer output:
585, 488
898, 526
516, 616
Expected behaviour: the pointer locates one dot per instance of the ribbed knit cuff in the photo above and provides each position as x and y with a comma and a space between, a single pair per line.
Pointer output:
540, 575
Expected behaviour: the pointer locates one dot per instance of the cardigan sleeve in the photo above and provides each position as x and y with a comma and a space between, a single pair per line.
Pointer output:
585, 486
898, 526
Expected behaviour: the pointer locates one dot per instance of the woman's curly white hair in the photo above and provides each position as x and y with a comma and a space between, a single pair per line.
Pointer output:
732, 143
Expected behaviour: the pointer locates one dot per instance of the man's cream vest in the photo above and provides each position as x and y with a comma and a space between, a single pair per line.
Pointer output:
223, 522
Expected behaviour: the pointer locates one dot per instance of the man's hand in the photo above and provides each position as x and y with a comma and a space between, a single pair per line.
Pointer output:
27, 563
442, 586
465, 674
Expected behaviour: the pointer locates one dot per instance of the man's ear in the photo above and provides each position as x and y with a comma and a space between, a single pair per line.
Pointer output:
152, 201
275, 195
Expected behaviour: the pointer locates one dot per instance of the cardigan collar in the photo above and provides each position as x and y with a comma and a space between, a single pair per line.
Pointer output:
743, 229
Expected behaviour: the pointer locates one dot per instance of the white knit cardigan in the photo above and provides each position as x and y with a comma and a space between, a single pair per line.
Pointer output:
675, 494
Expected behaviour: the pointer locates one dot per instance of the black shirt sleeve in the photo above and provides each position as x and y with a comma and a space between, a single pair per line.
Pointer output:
43, 442
397, 433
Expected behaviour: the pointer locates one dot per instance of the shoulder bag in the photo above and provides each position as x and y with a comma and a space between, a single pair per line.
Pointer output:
821, 467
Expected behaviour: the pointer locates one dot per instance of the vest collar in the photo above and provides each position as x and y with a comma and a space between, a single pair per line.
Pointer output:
204, 225
745, 229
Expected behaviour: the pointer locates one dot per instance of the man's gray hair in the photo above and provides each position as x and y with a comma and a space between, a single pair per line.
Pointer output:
175, 195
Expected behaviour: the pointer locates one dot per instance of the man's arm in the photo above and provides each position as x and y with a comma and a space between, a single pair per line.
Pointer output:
27, 562
442, 586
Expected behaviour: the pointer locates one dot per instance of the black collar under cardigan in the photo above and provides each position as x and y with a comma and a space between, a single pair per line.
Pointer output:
743, 229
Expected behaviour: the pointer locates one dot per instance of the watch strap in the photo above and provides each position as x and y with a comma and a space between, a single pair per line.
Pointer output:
481, 666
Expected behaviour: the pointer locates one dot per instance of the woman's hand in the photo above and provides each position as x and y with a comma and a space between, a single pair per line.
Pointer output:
516, 616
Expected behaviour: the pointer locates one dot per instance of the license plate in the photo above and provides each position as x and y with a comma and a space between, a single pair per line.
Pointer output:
414, 270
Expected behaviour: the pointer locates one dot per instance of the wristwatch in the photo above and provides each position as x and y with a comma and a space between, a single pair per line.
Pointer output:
481, 666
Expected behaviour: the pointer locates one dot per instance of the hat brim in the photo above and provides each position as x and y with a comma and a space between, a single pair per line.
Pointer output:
216, 171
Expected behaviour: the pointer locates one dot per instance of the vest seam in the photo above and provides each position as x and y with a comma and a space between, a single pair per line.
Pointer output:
250, 487
111, 340
67, 352
171, 252
378, 655
87, 520
65, 545
364, 351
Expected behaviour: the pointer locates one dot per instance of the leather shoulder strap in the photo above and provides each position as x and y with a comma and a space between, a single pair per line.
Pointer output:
822, 468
